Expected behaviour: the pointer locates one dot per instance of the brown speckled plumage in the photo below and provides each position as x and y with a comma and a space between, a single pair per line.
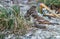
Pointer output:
37, 18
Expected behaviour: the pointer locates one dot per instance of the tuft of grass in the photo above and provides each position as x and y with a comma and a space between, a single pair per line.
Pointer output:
10, 19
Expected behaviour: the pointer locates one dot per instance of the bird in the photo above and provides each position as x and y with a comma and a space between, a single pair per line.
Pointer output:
37, 19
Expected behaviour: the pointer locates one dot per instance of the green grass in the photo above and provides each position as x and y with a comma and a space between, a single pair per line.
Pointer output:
2, 36
10, 19
49, 2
